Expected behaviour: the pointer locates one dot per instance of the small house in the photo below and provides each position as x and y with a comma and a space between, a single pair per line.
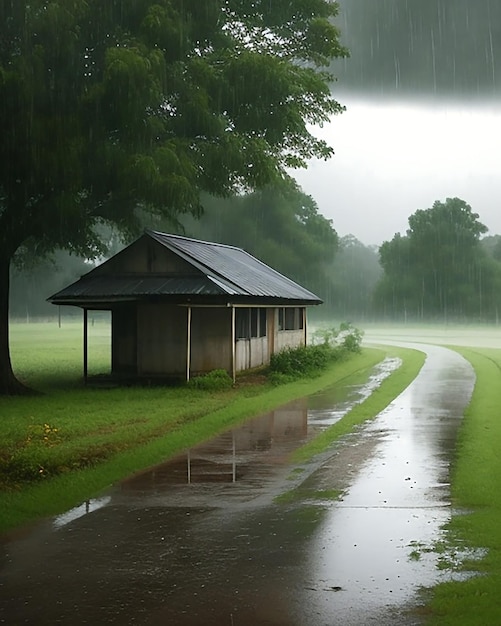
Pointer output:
182, 307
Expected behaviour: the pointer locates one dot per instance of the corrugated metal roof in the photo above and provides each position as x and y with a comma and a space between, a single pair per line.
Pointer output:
137, 285
225, 271
242, 273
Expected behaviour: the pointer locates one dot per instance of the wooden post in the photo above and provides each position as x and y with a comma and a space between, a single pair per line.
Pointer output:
188, 345
233, 345
85, 345
234, 458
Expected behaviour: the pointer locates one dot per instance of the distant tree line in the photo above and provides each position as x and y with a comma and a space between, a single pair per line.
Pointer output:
442, 269
280, 225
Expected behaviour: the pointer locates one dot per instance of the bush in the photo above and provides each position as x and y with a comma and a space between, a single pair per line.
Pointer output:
213, 381
329, 345
346, 336
293, 363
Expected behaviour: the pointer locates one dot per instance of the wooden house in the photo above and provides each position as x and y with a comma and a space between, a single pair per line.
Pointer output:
182, 307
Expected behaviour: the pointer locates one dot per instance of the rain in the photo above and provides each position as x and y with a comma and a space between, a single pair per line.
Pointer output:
422, 119
233, 531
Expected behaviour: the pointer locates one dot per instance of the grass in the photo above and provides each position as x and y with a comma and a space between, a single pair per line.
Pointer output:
477, 495
72, 442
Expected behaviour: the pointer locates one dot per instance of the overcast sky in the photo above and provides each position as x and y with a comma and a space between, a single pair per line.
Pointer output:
394, 157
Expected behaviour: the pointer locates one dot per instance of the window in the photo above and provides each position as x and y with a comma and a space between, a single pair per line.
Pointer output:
262, 323
250, 322
254, 321
242, 329
290, 318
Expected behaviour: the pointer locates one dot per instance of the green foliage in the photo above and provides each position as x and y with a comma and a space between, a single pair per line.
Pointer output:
293, 363
439, 269
216, 380
352, 277
346, 336
111, 106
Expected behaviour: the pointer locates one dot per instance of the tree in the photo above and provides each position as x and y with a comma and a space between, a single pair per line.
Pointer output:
354, 274
280, 225
439, 268
111, 108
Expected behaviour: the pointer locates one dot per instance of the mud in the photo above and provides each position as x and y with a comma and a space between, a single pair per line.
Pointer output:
202, 540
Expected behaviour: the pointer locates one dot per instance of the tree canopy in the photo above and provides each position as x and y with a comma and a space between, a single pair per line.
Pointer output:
439, 268
110, 110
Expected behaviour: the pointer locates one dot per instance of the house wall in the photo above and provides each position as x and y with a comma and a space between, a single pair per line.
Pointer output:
288, 338
251, 353
161, 340
210, 339
151, 340
256, 351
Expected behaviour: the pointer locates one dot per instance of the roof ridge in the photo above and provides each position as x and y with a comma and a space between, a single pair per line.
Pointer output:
152, 232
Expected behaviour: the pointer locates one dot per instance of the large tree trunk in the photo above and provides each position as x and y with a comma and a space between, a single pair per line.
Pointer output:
9, 385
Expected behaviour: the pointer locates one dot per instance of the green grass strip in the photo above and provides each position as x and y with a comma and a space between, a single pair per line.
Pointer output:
476, 489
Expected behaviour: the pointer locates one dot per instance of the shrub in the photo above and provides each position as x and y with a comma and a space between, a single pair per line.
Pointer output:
346, 336
328, 345
293, 363
215, 380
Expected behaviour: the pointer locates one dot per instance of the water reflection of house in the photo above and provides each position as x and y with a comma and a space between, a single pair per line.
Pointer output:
181, 307
235, 455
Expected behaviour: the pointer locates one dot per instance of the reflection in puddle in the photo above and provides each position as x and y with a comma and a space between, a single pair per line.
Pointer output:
87, 507
251, 452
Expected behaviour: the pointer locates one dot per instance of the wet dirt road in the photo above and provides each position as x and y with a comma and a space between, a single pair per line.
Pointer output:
202, 541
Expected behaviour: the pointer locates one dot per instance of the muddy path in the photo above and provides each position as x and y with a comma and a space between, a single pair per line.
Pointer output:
202, 539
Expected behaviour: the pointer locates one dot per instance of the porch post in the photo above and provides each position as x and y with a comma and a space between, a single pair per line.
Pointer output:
188, 345
85, 346
233, 345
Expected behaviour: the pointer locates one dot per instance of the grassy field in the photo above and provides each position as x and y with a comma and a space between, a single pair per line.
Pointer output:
71, 442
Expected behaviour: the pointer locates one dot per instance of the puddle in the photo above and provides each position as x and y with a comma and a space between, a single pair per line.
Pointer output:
200, 540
